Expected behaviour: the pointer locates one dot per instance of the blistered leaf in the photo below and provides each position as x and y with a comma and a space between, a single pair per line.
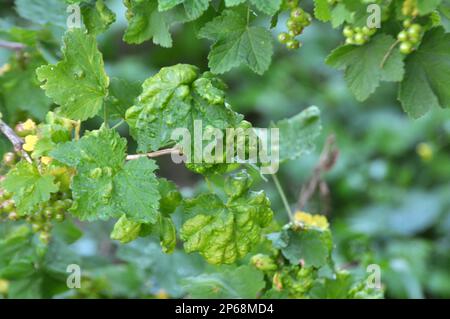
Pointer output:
175, 98
224, 232
125, 230
105, 186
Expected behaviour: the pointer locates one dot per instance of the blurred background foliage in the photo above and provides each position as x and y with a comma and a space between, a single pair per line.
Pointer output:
390, 187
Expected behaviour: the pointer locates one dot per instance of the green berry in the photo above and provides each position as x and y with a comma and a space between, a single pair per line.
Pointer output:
59, 205
295, 32
8, 205
291, 24
348, 32
406, 48
44, 237
48, 212
297, 14
406, 23
36, 227
67, 203
291, 3
402, 36
20, 130
293, 44
367, 31
349, 41
359, 39
283, 37
60, 217
9, 158
414, 30
13, 216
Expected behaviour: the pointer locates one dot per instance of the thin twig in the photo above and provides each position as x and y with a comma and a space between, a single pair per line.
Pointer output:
15, 140
118, 124
11, 45
327, 160
283, 197
155, 153
388, 53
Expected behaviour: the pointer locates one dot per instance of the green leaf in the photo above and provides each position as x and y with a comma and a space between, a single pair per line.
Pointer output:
136, 192
427, 78
363, 65
175, 98
297, 134
336, 288
427, 6
19, 83
232, 3
102, 148
105, 186
311, 246
322, 10
78, 83
29, 187
269, 7
145, 22
92, 195
339, 15
164, 5
236, 43
170, 196
167, 235
231, 282
122, 95
224, 232
97, 17
195, 8
125, 230
43, 12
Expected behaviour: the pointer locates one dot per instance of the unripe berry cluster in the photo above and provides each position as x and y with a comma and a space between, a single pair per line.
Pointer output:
357, 35
298, 20
41, 220
409, 8
410, 37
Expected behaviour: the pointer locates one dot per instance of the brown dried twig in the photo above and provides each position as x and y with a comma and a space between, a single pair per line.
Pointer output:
15, 140
327, 160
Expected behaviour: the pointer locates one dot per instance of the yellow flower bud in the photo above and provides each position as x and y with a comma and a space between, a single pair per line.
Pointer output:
425, 152
162, 294
317, 221
29, 125
5, 68
4, 286
46, 160
30, 143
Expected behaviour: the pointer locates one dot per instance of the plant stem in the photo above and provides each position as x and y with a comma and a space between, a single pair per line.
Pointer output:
118, 124
154, 154
15, 140
283, 197
11, 45
388, 53
105, 117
